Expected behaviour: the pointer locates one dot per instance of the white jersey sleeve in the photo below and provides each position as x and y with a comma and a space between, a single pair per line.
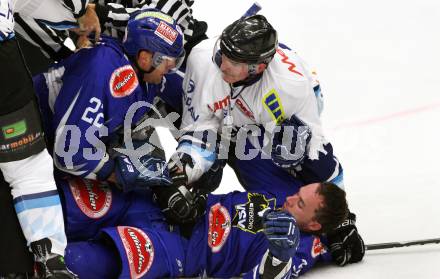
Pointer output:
202, 86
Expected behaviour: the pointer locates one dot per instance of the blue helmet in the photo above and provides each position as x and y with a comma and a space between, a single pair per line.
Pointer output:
152, 30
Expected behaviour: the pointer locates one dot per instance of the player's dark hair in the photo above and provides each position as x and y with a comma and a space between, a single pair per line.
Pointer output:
334, 209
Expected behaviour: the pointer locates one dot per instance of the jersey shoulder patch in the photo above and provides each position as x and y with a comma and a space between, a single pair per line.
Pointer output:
272, 103
93, 198
247, 216
139, 250
219, 227
123, 81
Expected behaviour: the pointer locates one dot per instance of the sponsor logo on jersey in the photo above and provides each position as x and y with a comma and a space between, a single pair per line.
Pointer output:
187, 99
21, 143
318, 248
139, 249
191, 86
219, 227
123, 81
297, 268
272, 104
93, 198
244, 109
220, 104
14, 130
246, 216
166, 32
285, 59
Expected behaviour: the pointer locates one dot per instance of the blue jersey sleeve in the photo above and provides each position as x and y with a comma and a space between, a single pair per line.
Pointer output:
326, 168
310, 251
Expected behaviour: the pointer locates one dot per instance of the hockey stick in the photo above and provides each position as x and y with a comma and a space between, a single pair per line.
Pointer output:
253, 10
388, 245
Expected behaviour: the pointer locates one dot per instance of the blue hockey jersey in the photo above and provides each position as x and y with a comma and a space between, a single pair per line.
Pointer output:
85, 100
227, 242
230, 240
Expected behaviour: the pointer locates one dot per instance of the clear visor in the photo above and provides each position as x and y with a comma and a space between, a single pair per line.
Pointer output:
216, 51
173, 63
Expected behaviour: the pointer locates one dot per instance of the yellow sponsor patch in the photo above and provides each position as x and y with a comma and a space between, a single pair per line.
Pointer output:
272, 103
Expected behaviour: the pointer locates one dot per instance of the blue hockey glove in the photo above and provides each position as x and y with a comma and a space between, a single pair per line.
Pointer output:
292, 151
282, 232
152, 172
346, 245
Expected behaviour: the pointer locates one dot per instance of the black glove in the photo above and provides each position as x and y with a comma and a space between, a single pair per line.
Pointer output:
210, 180
346, 245
179, 205
178, 165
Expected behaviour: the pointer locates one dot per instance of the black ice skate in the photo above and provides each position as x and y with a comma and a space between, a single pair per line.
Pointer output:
49, 265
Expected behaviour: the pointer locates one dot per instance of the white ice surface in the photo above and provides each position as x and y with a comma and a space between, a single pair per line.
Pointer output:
378, 63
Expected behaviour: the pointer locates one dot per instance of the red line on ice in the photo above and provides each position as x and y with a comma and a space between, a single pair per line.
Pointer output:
383, 118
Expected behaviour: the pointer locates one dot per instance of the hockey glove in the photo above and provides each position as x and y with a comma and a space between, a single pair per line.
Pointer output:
179, 165
210, 180
289, 145
282, 232
270, 267
179, 205
150, 171
346, 245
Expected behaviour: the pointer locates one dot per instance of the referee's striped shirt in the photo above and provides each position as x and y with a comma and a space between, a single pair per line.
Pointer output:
113, 17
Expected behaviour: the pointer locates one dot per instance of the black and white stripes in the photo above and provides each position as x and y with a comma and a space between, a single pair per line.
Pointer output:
115, 14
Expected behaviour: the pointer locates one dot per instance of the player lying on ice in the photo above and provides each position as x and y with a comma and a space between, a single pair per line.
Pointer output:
113, 234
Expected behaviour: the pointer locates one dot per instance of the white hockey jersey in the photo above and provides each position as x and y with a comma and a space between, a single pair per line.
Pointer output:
285, 89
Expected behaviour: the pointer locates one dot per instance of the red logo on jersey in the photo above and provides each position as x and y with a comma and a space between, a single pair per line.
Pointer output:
318, 248
139, 250
219, 227
286, 61
92, 197
220, 104
166, 32
123, 81
244, 109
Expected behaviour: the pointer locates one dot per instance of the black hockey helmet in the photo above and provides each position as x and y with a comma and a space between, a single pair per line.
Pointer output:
250, 40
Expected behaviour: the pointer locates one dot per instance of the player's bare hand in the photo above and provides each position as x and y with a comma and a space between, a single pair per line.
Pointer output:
83, 42
89, 23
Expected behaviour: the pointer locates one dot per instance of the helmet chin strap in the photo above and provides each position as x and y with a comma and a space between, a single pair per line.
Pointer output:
252, 69
140, 71
251, 79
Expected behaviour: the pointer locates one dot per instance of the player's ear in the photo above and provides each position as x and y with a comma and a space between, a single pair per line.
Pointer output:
145, 60
261, 67
313, 226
